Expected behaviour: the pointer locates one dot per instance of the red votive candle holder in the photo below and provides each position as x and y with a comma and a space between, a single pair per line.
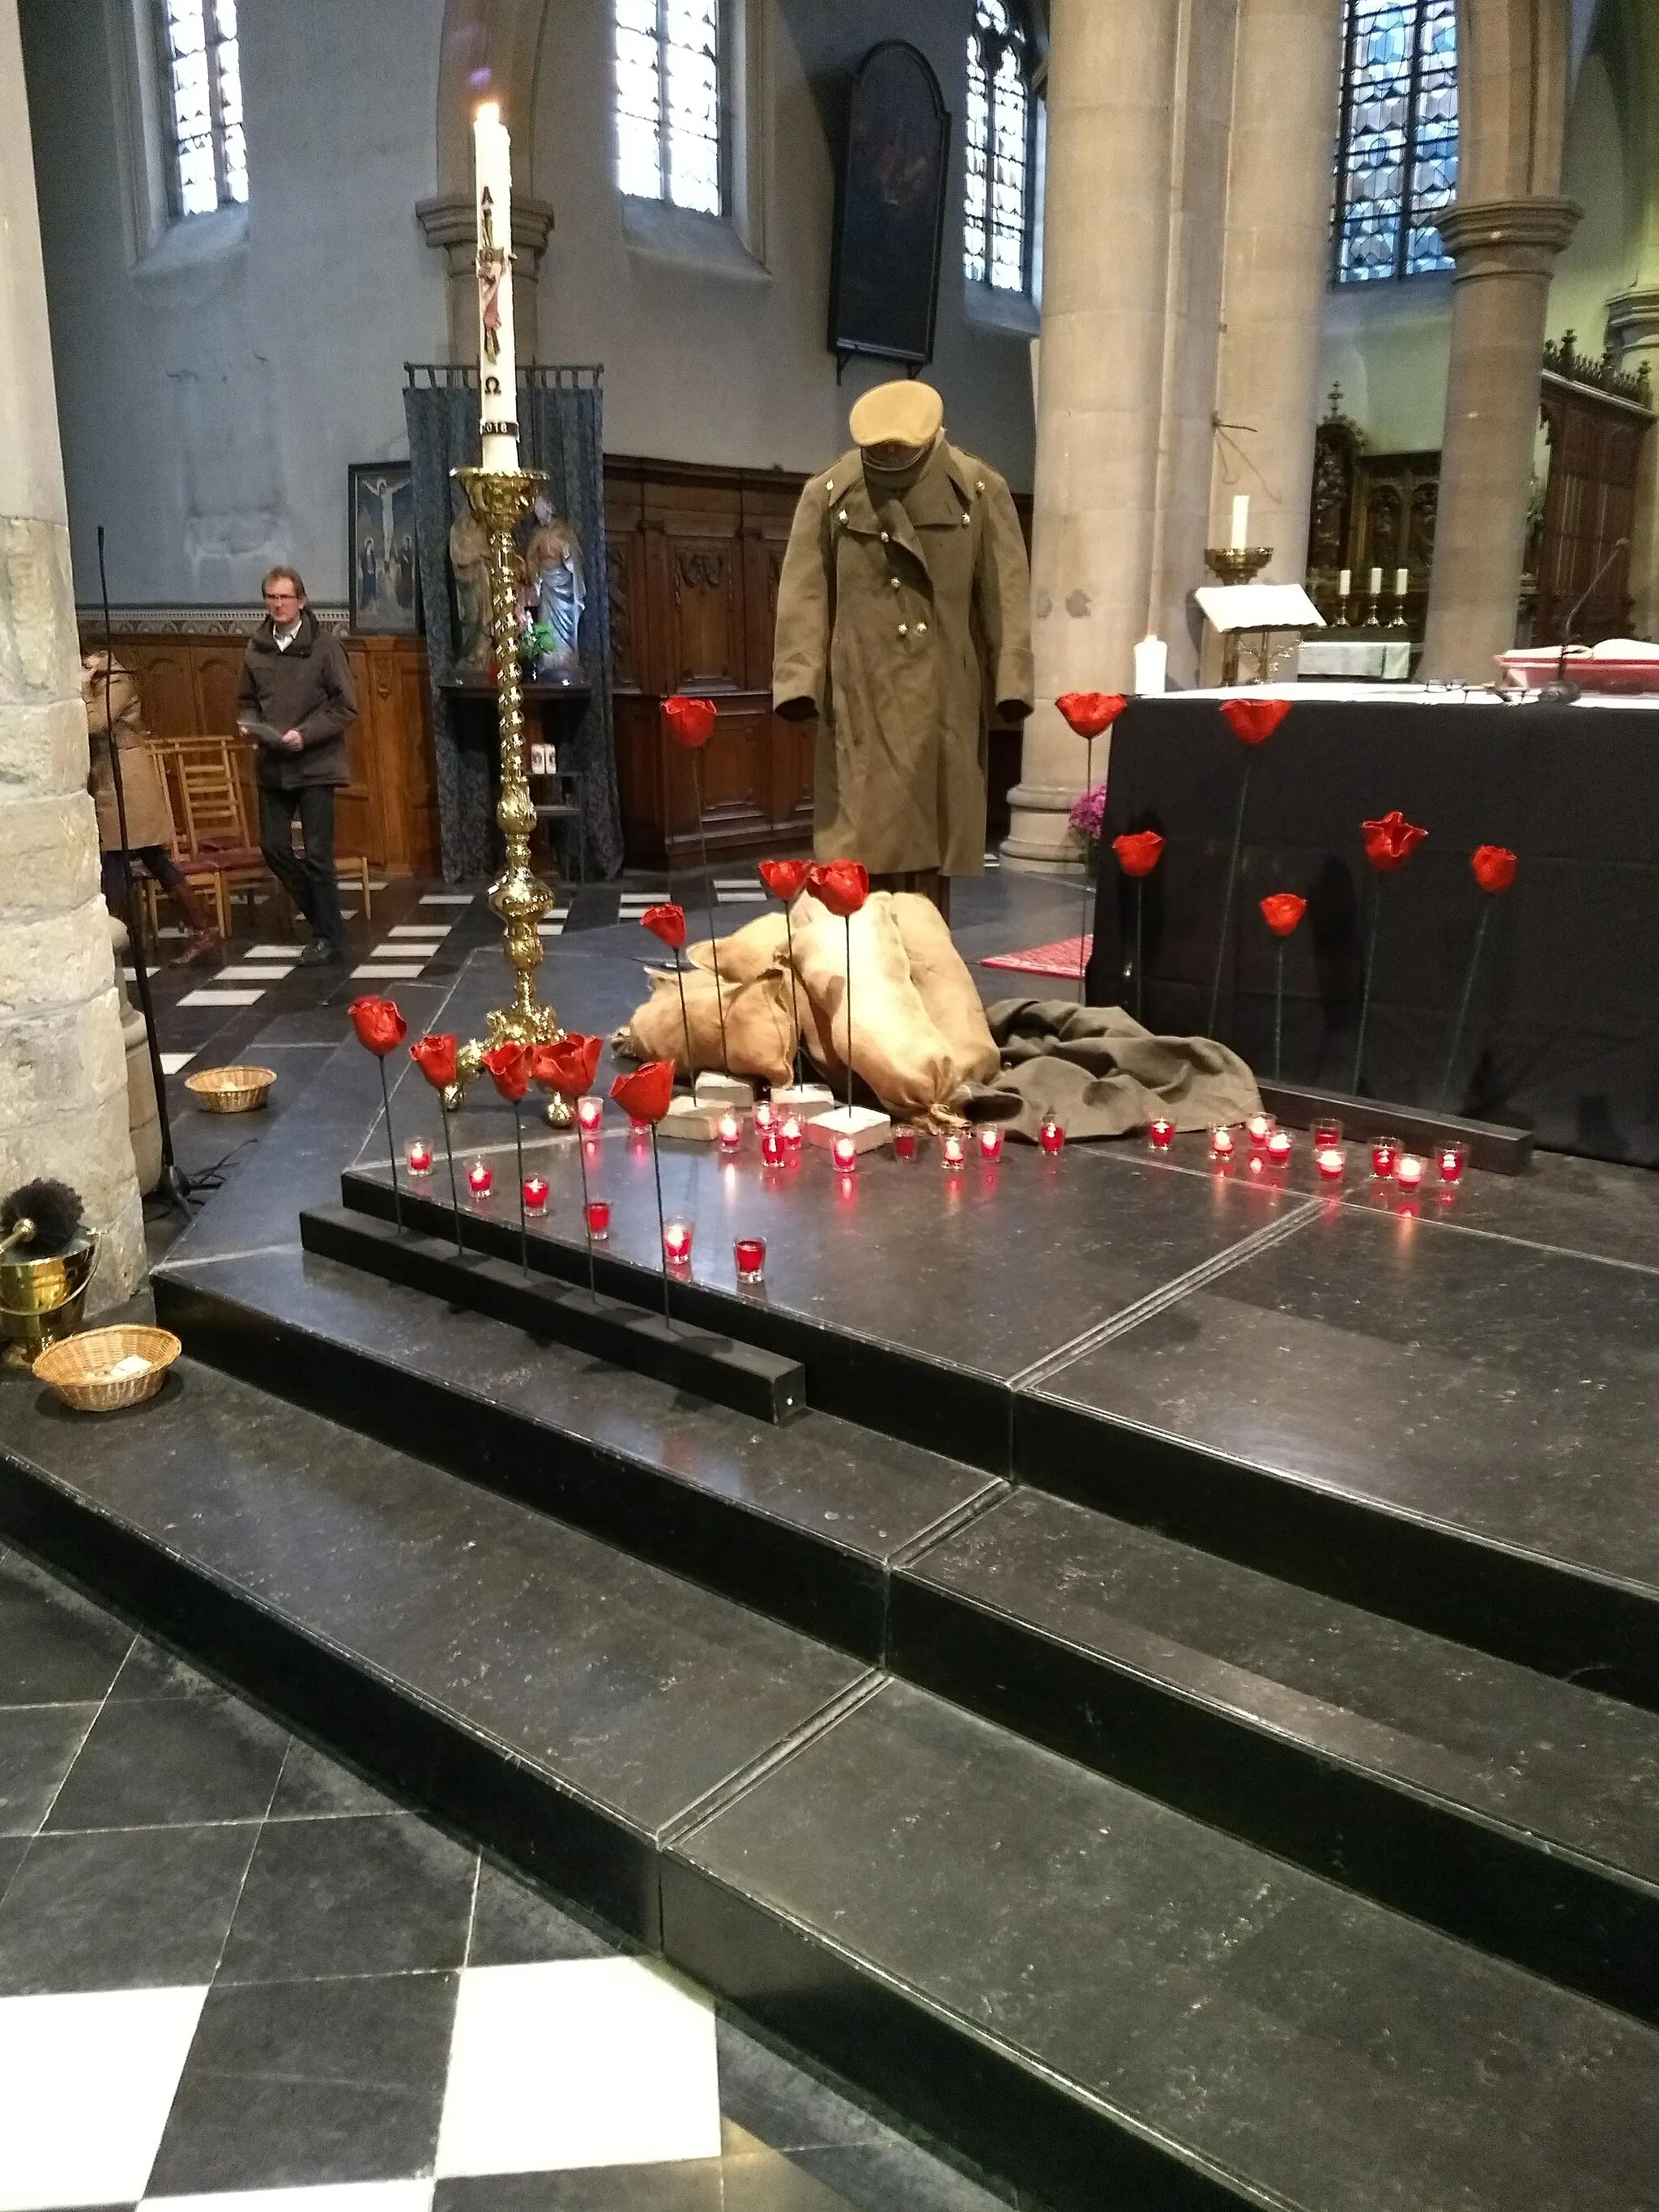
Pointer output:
765, 1114
1408, 1170
1329, 1160
535, 1193
479, 1178
590, 1114
1160, 1133
729, 1130
1259, 1129
1223, 1144
1326, 1133
418, 1153
845, 1154
640, 1131
990, 1142
791, 1134
1279, 1147
1052, 1135
772, 1147
676, 1244
1385, 1155
1451, 1160
749, 1253
952, 1150
597, 1214
904, 1144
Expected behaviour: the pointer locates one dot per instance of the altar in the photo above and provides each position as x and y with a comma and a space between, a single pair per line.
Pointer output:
1561, 1031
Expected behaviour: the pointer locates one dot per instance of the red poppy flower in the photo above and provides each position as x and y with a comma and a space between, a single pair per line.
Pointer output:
667, 922
1493, 865
1282, 910
509, 1067
567, 1067
644, 1094
1254, 720
691, 721
842, 885
1138, 851
381, 1028
785, 879
1089, 713
435, 1058
1390, 842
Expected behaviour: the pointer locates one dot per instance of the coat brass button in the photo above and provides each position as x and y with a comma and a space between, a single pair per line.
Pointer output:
921, 629
894, 581
904, 630
967, 521
884, 537
842, 517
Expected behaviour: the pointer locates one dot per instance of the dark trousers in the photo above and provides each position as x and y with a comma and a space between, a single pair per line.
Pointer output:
310, 881
154, 860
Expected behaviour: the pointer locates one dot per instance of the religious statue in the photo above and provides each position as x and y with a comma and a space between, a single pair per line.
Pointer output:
469, 561
553, 568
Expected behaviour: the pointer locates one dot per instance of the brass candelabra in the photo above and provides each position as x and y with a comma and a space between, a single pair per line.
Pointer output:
500, 499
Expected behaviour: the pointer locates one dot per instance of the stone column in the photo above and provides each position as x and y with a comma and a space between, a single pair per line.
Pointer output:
63, 1069
1504, 251
1287, 87
1112, 78
1633, 332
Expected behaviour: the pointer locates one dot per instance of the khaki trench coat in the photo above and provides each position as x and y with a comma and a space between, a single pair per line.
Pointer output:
150, 818
900, 624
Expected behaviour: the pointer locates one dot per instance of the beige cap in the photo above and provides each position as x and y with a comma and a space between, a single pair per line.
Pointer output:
902, 413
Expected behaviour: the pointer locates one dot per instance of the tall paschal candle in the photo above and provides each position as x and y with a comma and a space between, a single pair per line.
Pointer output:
498, 374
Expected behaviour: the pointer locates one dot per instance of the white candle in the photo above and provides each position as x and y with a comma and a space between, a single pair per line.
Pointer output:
1401, 581
1151, 664
1241, 522
498, 377
1376, 583
1344, 583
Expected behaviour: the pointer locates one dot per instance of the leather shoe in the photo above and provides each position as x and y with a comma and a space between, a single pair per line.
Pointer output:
320, 953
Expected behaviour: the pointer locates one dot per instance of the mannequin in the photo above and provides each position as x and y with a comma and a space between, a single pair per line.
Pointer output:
903, 613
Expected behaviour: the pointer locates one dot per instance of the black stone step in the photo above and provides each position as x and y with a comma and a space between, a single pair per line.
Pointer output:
803, 1523
1104, 1999
1517, 1811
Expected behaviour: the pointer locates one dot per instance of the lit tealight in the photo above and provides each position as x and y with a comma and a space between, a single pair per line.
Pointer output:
1223, 1144
535, 1193
1259, 1129
1279, 1147
590, 1114
1329, 1160
845, 1154
418, 1153
729, 1130
990, 1142
479, 1177
952, 1150
772, 1147
765, 1114
1408, 1170
677, 1243
1160, 1133
1052, 1134
790, 1133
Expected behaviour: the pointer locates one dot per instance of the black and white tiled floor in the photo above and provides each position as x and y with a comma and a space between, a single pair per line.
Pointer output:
233, 1977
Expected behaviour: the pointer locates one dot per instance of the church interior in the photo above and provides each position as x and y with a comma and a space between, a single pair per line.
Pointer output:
829, 1105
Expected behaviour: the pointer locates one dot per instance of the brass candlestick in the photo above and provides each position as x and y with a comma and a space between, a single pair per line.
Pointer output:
500, 499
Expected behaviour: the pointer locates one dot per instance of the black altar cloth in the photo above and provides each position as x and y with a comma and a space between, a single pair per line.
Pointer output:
1562, 1031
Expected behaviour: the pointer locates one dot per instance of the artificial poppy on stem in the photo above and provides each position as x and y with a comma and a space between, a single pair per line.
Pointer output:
380, 1030
842, 886
1282, 911
668, 922
435, 1054
1493, 868
509, 1066
567, 1066
786, 880
1389, 841
1252, 721
1088, 713
1138, 852
644, 1095
691, 724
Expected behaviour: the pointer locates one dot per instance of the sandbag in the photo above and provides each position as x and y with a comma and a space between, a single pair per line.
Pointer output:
897, 1048
749, 951
760, 1030
940, 975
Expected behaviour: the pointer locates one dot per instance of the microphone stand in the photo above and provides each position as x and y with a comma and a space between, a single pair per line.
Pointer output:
175, 1185
1561, 693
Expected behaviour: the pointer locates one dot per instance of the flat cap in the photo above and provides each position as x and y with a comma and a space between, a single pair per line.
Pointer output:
902, 413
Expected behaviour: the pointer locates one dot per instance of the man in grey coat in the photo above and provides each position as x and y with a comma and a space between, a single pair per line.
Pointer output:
296, 701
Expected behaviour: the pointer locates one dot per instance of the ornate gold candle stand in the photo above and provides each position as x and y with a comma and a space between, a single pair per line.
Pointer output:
501, 498
1240, 564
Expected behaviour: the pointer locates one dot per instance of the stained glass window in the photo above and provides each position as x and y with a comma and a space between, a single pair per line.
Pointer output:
668, 101
995, 227
201, 62
1396, 158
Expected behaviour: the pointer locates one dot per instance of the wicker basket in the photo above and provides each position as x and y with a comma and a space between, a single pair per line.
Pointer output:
78, 1369
230, 1090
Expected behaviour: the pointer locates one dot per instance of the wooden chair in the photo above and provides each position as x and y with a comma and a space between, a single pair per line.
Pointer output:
219, 847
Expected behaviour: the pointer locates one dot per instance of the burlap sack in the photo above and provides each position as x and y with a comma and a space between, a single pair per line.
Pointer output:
749, 951
940, 975
897, 1048
760, 1030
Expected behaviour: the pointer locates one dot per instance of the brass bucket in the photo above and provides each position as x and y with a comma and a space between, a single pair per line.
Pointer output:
40, 1300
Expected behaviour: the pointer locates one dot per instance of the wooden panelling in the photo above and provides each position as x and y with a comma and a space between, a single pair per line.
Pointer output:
1596, 441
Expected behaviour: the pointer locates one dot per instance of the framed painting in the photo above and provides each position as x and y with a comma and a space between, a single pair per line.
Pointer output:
889, 212
380, 548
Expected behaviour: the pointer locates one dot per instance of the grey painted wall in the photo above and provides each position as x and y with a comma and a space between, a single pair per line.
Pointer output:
210, 408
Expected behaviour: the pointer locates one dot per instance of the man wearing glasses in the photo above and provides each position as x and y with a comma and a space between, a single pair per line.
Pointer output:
296, 701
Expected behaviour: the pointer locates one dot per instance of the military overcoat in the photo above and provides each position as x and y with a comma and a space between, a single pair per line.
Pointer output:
904, 618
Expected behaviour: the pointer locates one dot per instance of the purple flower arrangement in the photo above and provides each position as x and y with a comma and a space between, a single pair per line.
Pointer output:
1087, 814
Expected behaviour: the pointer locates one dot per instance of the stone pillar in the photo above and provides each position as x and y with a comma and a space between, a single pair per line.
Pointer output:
63, 1068
1504, 251
1112, 78
1287, 87
1633, 333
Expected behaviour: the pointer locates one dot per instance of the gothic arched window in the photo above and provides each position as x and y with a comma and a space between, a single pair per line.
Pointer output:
996, 219
669, 102
202, 100
1396, 151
